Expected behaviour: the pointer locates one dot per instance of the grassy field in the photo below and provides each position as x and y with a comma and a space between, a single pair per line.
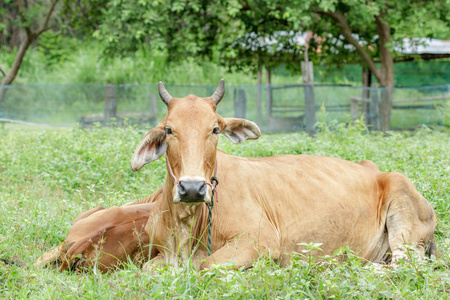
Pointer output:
48, 176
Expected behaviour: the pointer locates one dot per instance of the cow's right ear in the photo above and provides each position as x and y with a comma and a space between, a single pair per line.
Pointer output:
152, 147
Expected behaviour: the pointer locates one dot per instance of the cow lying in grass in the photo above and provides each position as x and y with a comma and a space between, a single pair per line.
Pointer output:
270, 205
105, 238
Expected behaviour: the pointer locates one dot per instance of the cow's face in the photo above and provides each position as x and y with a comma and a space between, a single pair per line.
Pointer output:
189, 136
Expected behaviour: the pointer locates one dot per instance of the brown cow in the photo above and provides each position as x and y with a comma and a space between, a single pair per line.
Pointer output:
106, 238
270, 205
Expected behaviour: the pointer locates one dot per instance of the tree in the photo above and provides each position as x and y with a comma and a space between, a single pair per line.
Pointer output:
372, 28
346, 31
28, 19
180, 28
247, 34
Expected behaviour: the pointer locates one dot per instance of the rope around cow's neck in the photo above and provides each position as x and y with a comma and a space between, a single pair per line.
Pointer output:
213, 184
210, 207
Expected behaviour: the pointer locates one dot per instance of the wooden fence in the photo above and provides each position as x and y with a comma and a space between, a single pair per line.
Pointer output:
370, 106
110, 113
149, 116
274, 122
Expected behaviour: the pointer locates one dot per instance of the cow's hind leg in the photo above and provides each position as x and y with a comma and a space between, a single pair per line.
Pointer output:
410, 219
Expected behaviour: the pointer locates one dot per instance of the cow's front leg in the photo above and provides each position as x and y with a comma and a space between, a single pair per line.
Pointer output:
236, 254
156, 262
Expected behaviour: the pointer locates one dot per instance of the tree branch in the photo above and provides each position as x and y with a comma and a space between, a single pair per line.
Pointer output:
23, 19
29, 39
44, 26
347, 33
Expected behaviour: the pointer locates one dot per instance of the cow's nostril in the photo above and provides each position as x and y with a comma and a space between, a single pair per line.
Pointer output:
202, 190
181, 189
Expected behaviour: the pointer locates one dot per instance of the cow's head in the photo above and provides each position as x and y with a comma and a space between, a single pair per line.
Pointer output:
189, 135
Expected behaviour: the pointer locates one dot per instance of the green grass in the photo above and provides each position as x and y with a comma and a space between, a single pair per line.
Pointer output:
48, 176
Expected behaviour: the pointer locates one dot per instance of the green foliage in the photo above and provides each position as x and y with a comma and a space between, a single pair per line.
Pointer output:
182, 28
446, 113
84, 64
265, 19
50, 176
175, 39
32, 16
250, 35
55, 48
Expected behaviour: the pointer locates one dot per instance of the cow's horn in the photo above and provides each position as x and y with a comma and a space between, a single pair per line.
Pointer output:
163, 93
220, 91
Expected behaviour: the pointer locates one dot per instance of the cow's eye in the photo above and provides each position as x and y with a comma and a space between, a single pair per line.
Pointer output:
216, 130
169, 131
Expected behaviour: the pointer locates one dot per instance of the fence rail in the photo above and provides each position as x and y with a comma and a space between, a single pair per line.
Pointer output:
274, 108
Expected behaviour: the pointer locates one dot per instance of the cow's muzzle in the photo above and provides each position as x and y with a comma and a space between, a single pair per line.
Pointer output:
191, 191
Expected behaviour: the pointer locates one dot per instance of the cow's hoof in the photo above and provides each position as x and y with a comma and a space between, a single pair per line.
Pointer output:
398, 258
151, 267
379, 265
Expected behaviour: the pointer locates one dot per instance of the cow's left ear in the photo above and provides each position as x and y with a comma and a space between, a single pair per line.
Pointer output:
152, 147
239, 130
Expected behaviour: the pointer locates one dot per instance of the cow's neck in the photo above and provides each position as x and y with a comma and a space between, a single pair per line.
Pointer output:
187, 224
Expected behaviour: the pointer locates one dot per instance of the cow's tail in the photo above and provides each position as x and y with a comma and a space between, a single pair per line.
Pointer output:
432, 250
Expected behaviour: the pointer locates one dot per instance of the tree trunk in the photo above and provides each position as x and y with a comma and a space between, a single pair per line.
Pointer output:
385, 109
9, 78
386, 79
11, 75
30, 37
268, 76
384, 74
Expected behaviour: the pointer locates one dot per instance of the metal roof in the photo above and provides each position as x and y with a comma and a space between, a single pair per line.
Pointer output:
423, 46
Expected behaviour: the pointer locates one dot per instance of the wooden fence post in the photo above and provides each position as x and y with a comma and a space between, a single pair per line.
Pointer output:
269, 94
240, 104
366, 83
354, 108
110, 102
258, 98
310, 110
374, 108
